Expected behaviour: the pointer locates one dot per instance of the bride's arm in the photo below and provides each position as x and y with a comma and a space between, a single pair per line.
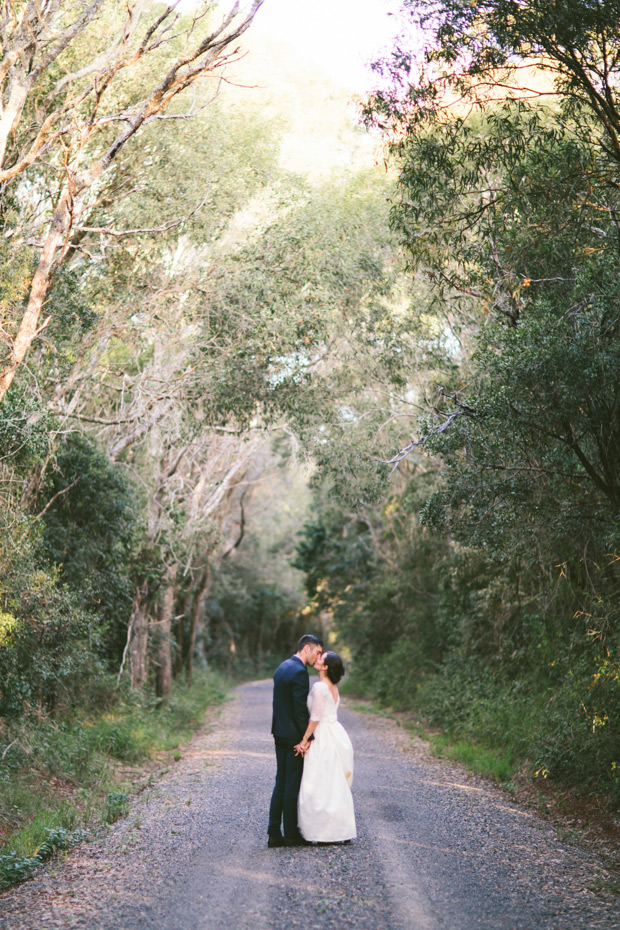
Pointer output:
317, 705
304, 746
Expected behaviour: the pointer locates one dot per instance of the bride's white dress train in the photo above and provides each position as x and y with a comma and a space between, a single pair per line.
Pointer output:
325, 807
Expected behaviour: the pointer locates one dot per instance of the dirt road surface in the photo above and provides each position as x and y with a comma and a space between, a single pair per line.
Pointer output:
436, 848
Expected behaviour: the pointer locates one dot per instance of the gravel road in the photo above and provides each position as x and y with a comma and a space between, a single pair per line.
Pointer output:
436, 848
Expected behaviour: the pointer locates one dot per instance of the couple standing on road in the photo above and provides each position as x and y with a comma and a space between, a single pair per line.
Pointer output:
314, 756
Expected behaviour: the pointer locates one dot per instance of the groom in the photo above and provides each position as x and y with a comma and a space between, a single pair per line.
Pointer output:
290, 719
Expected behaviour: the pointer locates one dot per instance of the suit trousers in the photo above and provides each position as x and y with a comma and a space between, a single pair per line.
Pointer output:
286, 790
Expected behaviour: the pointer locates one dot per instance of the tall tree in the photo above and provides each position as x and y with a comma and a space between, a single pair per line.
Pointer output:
76, 103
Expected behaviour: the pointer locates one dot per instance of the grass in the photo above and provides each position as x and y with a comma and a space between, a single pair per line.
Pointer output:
487, 742
495, 764
488, 726
60, 778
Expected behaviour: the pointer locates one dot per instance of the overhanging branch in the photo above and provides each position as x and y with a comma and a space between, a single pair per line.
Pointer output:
463, 410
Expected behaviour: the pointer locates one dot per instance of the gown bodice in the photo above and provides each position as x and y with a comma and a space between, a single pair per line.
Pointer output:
321, 704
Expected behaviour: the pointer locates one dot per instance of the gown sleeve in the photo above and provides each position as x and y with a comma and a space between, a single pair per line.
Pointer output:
318, 696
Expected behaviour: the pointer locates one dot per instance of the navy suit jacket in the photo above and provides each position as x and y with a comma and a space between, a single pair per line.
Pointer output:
290, 693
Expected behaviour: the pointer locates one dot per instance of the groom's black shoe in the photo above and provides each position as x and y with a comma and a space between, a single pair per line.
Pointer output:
274, 841
296, 841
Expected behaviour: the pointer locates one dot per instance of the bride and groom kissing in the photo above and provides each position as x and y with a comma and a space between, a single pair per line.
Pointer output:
312, 793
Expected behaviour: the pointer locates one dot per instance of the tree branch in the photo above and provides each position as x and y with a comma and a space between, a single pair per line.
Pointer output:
57, 495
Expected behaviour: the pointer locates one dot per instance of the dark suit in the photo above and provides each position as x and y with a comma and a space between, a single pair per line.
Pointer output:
290, 719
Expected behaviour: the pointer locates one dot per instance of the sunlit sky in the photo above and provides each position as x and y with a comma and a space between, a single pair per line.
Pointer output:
339, 37
307, 63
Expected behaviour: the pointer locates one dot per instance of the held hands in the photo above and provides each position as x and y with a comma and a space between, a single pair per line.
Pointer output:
302, 748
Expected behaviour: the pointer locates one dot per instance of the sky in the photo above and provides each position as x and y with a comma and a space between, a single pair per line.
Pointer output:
308, 66
339, 37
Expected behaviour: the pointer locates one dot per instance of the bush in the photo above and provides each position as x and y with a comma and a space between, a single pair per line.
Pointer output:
48, 645
15, 868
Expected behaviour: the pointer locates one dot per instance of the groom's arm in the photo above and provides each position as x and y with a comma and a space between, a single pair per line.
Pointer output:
300, 697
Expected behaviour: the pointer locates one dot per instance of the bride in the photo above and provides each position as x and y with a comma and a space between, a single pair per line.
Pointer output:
325, 806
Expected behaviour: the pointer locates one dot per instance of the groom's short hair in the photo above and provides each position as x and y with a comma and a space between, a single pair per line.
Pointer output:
309, 639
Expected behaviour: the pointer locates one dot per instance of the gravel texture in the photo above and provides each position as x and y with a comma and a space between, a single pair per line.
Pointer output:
436, 848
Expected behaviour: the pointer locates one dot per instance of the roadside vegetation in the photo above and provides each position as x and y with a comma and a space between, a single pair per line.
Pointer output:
64, 779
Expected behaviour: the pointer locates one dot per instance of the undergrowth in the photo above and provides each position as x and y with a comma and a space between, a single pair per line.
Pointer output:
60, 778
498, 727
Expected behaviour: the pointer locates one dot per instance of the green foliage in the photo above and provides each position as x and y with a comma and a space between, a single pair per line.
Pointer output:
491, 651
48, 647
24, 428
284, 298
116, 806
58, 778
15, 868
89, 530
250, 620
323, 555
478, 49
220, 159
488, 603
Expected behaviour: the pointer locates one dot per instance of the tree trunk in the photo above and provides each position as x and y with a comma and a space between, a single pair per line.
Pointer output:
138, 641
164, 635
199, 594
11, 111
179, 635
29, 326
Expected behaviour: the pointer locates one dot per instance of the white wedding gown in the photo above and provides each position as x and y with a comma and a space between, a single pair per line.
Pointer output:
325, 807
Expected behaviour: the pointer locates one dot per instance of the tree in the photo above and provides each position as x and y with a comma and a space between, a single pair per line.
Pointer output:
510, 208
76, 130
499, 49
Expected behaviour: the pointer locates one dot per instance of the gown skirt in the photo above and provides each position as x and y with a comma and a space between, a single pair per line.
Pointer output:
325, 806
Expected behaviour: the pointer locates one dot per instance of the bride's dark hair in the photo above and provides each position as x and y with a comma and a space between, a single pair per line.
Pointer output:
335, 668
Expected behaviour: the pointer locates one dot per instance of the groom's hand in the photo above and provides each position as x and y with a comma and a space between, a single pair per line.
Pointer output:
301, 748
